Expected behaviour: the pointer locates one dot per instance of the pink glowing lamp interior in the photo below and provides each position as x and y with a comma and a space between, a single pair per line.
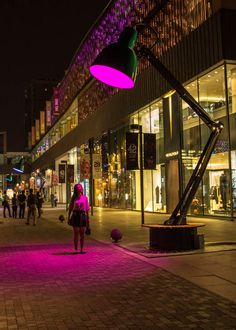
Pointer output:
111, 77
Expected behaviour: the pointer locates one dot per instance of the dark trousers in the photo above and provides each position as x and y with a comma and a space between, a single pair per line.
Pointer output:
22, 211
39, 211
14, 211
6, 206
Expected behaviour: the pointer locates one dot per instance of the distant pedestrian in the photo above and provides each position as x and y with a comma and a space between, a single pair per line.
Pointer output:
39, 203
5, 204
31, 203
52, 200
55, 199
21, 201
14, 204
79, 207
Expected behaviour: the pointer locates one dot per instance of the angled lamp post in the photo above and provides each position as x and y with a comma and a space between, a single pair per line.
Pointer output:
116, 66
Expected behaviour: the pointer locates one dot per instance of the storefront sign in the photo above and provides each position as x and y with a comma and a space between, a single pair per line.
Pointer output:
84, 167
70, 173
37, 129
48, 113
42, 122
132, 151
55, 102
55, 179
97, 166
62, 173
149, 151
105, 152
172, 154
33, 140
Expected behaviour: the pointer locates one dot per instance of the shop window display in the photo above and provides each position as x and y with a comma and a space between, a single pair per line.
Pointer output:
213, 196
219, 191
151, 119
119, 188
145, 121
231, 83
159, 195
212, 93
158, 175
191, 146
216, 179
233, 162
120, 180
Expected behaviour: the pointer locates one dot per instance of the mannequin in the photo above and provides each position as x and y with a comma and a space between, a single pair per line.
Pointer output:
223, 188
157, 194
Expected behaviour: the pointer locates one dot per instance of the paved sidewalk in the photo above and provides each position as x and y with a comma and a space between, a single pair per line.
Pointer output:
43, 285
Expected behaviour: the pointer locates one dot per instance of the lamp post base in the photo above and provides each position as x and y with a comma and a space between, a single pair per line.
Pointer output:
175, 238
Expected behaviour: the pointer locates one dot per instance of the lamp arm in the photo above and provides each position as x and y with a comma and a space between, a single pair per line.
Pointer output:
178, 216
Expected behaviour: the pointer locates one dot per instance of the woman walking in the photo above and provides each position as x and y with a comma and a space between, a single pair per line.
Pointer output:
78, 216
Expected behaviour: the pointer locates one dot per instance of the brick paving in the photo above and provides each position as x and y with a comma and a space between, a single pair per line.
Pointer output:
43, 285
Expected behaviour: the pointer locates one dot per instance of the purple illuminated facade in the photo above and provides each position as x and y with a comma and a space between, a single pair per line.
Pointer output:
172, 24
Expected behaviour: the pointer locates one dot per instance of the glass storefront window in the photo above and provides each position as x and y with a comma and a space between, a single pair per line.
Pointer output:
158, 175
134, 119
233, 174
119, 177
191, 147
213, 196
151, 119
144, 120
231, 84
65, 124
212, 96
212, 93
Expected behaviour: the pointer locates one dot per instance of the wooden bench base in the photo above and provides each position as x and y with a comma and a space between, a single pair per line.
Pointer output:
175, 238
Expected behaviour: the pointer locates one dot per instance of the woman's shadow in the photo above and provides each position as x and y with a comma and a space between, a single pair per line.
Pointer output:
65, 253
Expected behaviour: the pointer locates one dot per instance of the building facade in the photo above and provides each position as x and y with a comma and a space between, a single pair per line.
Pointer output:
36, 95
88, 140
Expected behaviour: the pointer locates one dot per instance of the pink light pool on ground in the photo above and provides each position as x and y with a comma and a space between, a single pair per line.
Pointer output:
111, 77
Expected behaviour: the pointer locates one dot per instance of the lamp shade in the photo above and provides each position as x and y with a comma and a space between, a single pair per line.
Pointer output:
19, 166
116, 65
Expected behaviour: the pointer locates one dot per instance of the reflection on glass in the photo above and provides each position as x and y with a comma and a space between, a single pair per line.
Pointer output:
212, 93
231, 84
191, 142
144, 120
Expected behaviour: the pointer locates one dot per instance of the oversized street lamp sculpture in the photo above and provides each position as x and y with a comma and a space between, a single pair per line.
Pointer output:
116, 66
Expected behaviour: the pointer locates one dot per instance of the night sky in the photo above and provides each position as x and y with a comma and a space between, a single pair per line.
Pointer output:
38, 41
